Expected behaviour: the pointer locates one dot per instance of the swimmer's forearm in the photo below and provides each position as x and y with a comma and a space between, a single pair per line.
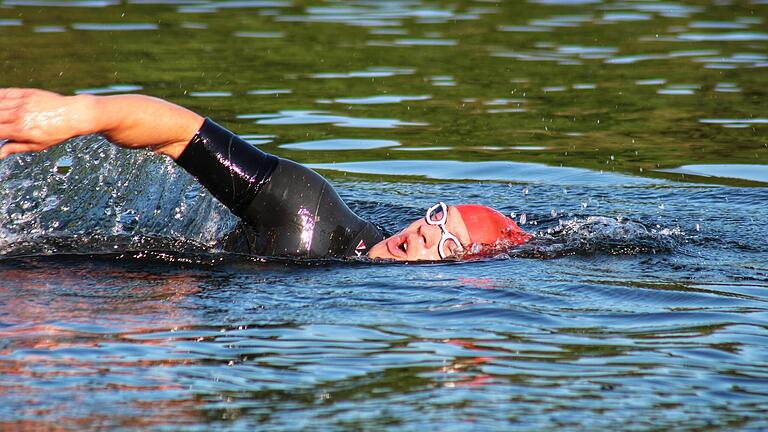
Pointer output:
138, 121
33, 120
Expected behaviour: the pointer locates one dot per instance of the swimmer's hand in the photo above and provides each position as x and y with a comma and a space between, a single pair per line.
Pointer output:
34, 120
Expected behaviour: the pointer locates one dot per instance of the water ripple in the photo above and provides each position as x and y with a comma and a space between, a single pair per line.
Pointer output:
380, 99
340, 144
641, 296
291, 117
115, 26
372, 72
499, 171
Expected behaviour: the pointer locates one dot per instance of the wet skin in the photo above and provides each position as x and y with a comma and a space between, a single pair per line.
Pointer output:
419, 241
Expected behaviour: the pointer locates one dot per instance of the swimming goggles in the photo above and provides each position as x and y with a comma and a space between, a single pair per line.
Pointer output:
438, 215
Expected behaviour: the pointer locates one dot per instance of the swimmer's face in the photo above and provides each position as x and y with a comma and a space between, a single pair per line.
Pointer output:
420, 240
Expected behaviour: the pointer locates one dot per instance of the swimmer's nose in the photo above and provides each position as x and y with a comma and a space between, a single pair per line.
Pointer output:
430, 235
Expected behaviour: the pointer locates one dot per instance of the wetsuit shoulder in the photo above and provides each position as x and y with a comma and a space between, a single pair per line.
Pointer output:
289, 209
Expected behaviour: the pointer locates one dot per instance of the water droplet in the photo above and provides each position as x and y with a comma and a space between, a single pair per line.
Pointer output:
525, 190
698, 227
553, 212
523, 218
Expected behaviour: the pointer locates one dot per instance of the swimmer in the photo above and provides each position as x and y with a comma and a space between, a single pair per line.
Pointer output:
286, 209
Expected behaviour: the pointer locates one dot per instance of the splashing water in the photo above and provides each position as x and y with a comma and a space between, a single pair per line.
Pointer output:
591, 235
102, 199
90, 197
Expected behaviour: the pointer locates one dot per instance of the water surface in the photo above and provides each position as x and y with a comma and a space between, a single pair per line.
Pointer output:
630, 137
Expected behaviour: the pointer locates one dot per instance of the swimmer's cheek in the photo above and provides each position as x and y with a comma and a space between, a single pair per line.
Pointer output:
379, 251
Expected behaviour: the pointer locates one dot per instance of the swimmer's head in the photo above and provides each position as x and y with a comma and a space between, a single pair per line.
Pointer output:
450, 232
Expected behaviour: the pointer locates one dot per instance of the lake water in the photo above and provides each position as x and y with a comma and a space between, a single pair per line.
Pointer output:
630, 136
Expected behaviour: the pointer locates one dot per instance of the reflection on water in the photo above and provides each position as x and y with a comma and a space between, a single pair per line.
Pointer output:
381, 99
291, 117
74, 3
372, 72
260, 35
210, 94
272, 92
499, 171
641, 304
758, 173
723, 37
114, 26
115, 88
519, 343
415, 42
341, 144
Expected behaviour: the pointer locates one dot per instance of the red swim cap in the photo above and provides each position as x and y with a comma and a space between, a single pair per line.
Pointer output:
487, 226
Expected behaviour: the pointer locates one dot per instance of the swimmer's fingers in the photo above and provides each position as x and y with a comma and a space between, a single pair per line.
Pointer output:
10, 126
8, 113
11, 148
9, 104
12, 109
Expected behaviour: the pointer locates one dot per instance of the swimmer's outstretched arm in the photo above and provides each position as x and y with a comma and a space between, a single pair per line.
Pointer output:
34, 120
292, 209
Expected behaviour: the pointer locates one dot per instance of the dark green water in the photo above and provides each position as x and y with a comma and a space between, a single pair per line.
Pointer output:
629, 136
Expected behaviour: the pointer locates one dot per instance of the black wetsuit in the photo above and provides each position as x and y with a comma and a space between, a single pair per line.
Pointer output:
287, 209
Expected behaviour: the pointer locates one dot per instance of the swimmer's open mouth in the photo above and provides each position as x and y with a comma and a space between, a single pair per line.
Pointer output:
398, 246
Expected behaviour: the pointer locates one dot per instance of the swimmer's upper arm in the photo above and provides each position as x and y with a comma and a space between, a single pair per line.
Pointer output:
233, 170
138, 121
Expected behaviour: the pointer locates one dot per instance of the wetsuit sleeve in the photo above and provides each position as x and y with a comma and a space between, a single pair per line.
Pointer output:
288, 209
229, 167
